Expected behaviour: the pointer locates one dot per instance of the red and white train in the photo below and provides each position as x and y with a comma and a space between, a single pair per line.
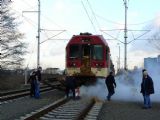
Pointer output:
88, 57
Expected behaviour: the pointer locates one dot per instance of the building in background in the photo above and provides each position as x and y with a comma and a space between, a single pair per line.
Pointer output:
152, 64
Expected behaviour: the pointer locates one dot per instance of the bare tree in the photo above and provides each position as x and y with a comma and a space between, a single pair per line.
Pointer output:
12, 48
155, 40
154, 35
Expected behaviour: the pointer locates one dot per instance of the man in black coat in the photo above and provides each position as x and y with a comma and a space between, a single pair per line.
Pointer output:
70, 85
37, 82
147, 88
38, 73
32, 80
110, 83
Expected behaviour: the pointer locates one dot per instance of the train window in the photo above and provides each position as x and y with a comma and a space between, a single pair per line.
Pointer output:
86, 50
97, 52
74, 51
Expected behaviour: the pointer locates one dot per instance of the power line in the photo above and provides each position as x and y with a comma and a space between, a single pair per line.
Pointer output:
88, 16
28, 4
32, 50
61, 31
125, 34
93, 13
113, 38
31, 22
113, 22
38, 30
50, 20
53, 22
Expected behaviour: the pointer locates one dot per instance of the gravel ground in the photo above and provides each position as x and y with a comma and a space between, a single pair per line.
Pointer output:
116, 110
16, 108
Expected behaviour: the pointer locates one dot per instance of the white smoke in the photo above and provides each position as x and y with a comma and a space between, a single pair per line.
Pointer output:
98, 90
128, 86
154, 71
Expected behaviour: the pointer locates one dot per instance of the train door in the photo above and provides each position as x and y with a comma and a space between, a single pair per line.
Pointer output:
86, 56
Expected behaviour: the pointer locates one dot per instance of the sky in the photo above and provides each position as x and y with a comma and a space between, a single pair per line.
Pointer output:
71, 16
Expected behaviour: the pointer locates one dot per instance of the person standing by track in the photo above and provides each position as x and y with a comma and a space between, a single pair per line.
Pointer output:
37, 82
111, 84
147, 88
32, 80
70, 85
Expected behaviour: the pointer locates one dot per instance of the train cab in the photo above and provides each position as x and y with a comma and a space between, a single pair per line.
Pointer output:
87, 56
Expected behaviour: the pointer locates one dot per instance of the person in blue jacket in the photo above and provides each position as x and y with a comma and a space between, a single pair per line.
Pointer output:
147, 88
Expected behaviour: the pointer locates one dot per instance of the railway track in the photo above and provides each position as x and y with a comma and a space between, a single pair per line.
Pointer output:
25, 92
64, 109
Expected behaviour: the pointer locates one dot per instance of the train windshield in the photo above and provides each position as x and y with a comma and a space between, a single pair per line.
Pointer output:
86, 50
97, 52
74, 51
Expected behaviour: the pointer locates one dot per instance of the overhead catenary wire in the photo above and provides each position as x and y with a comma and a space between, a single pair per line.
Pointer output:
50, 20
28, 4
35, 25
53, 36
97, 21
32, 51
32, 23
44, 16
117, 23
88, 16
93, 13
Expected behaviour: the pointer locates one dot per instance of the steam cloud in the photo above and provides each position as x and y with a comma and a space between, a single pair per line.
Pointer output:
128, 86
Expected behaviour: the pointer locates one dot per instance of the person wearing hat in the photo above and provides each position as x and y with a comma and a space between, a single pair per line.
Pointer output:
111, 84
147, 88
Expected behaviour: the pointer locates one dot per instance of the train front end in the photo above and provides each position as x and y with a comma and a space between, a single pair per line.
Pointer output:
87, 58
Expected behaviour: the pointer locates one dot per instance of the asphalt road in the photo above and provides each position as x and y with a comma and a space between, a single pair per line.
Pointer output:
120, 110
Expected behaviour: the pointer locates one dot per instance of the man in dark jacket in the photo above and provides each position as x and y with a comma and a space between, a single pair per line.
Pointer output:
70, 85
32, 80
38, 73
110, 83
147, 88
37, 82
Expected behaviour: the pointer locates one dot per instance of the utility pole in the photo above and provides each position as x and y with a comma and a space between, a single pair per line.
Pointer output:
119, 61
38, 39
118, 58
125, 35
126, 30
38, 36
38, 32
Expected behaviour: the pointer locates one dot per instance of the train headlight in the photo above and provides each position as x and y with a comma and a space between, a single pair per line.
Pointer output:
74, 64
99, 64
